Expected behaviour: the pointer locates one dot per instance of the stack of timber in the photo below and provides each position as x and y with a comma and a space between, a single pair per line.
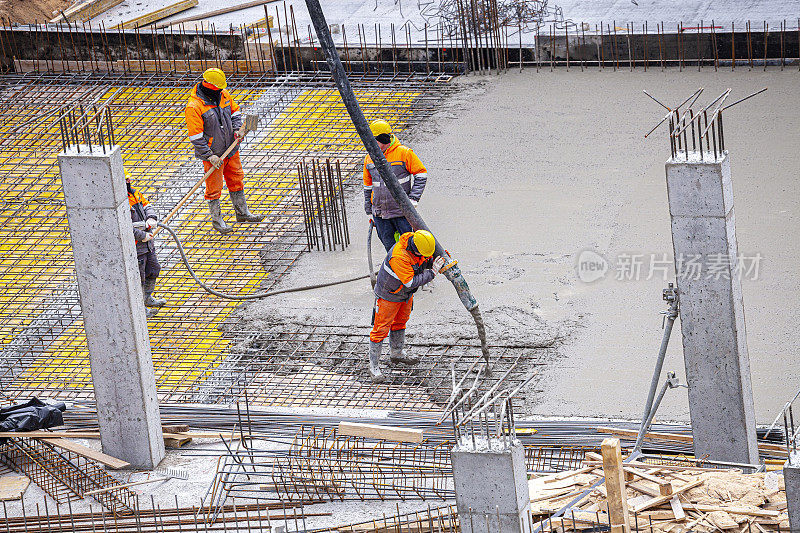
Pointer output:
666, 498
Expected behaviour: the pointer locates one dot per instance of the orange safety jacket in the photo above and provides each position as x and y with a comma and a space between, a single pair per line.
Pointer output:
403, 271
378, 200
211, 126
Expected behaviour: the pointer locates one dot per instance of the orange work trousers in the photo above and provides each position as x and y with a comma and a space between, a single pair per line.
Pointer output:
389, 316
231, 171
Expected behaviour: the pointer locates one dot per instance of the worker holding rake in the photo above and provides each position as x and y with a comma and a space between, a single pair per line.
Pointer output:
214, 121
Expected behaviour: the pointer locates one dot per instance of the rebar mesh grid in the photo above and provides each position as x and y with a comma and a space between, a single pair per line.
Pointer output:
325, 366
41, 334
65, 475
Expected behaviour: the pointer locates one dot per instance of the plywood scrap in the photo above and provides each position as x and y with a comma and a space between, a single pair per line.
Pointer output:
12, 487
703, 500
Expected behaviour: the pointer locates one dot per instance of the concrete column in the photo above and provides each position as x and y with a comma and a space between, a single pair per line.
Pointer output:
711, 309
112, 304
491, 479
791, 478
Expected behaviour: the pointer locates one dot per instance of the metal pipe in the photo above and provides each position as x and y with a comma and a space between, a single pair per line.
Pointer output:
670, 383
452, 272
670, 294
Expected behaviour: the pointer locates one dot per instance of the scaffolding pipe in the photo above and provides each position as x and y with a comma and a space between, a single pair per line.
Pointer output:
452, 272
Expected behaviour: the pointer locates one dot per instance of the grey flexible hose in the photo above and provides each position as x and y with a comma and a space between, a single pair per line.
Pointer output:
257, 295
373, 278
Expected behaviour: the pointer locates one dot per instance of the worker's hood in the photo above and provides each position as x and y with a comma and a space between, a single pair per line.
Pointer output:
392, 147
208, 95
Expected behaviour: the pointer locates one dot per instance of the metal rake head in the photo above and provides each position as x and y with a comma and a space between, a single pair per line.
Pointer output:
173, 473
250, 123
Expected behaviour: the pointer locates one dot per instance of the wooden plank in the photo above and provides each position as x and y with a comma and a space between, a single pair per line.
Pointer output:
13, 487
260, 24
374, 431
175, 428
102, 458
677, 437
170, 442
615, 486
667, 467
158, 14
677, 509
86, 11
664, 486
762, 513
644, 489
664, 499
214, 13
565, 475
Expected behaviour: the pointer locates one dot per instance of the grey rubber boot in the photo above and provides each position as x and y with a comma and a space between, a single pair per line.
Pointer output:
147, 288
374, 362
243, 214
217, 221
397, 342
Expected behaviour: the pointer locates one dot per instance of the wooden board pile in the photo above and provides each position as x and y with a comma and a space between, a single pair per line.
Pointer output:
662, 498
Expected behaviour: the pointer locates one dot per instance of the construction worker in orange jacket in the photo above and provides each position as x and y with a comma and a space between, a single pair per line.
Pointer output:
407, 267
378, 201
149, 267
214, 122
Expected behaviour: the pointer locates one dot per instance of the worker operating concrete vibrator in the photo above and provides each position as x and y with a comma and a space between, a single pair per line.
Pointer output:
214, 121
378, 201
149, 267
408, 266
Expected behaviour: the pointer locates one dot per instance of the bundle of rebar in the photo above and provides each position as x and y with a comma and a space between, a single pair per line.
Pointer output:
321, 465
324, 211
65, 475
160, 519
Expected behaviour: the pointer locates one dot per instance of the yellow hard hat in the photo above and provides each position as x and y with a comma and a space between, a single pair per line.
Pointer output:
379, 127
424, 242
215, 77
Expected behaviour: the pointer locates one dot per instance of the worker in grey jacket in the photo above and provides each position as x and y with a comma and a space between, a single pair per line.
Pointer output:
149, 267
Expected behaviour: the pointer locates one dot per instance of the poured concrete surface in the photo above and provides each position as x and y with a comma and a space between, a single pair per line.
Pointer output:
526, 170
555, 163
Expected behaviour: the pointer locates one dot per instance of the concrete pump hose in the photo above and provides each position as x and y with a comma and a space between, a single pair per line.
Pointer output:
373, 278
257, 295
453, 272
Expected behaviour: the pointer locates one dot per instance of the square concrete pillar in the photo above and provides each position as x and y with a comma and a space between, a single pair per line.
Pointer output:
491, 480
791, 478
112, 304
711, 309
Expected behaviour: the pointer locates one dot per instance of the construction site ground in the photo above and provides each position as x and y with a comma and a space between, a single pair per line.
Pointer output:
526, 170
